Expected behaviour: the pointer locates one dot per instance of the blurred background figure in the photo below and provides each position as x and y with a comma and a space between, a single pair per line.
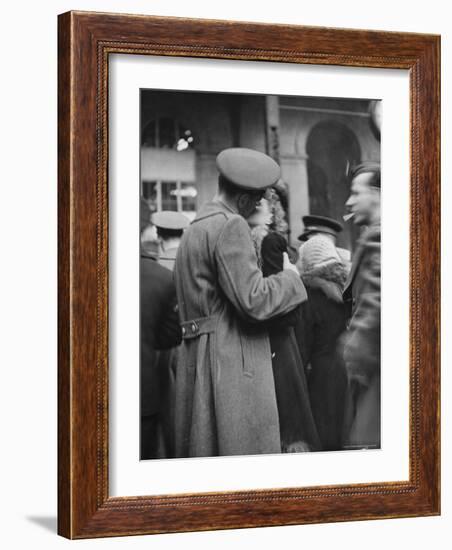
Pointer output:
149, 243
170, 227
362, 296
318, 332
296, 422
159, 326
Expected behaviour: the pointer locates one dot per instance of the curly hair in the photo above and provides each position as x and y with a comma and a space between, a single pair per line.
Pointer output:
278, 223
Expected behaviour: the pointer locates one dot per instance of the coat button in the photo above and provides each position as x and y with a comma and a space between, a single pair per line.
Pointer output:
194, 327
183, 331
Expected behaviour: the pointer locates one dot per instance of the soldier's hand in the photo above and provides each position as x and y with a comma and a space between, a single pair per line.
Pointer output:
287, 263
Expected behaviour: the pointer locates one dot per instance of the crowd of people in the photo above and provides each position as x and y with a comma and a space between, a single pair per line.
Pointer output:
247, 345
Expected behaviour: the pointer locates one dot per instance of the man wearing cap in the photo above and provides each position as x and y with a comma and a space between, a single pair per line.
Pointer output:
322, 225
159, 330
225, 395
170, 228
319, 224
362, 295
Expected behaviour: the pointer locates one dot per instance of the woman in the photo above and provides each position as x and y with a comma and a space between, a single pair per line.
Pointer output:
318, 334
297, 427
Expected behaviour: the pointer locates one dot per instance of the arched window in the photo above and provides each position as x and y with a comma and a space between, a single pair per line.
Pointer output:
332, 148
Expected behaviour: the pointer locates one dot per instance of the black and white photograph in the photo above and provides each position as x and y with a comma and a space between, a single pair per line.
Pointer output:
259, 274
215, 319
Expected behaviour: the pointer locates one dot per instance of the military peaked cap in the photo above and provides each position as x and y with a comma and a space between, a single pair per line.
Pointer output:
319, 224
167, 219
248, 169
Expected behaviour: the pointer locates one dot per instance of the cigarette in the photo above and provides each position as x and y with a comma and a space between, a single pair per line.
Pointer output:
348, 216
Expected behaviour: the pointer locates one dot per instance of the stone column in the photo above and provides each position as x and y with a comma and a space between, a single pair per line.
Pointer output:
272, 126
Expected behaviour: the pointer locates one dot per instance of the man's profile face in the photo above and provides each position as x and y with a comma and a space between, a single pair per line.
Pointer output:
363, 199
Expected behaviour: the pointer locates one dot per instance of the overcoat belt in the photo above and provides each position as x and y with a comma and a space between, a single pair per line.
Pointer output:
225, 394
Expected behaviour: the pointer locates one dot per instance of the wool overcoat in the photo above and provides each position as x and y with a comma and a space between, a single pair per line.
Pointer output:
159, 326
362, 344
160, 330
225, 393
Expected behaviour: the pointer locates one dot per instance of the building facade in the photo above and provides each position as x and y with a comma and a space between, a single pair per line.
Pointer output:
315, 140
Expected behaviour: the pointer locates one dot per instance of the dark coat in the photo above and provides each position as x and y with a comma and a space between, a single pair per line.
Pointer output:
225, 394
323, 321
296, 422
159, 325
362, 294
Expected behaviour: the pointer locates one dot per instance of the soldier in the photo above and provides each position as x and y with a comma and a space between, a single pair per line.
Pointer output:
362, 295
170, 228
160, 329
225, 394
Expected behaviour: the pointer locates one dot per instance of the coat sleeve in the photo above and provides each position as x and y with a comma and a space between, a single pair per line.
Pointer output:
255, 297
362, 344
272, 249
163, 302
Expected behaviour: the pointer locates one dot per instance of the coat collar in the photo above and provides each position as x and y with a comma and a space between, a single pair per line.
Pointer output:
359, 253
146, 253
212, 208
169, 254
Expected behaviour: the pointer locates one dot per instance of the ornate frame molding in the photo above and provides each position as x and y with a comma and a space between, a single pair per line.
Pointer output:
85, 42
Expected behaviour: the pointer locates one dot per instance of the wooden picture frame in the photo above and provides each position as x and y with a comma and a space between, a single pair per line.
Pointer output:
85, 42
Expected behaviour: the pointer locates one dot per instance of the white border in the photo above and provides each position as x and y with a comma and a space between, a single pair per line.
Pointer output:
129, 476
